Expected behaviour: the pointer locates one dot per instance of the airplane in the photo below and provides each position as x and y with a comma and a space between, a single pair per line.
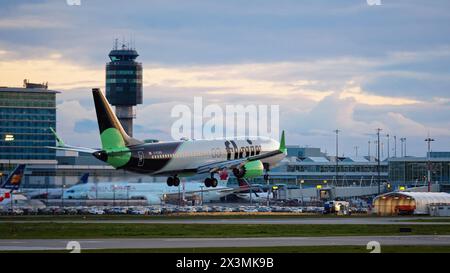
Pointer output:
53, 193
154, 193
9, 188
256, 194
12, 182
247, 157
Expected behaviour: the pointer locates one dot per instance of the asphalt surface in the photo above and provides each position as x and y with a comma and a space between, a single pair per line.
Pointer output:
247, 221
61, 244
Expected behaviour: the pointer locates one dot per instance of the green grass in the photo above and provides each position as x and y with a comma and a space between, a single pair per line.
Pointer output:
282, 249
116, 230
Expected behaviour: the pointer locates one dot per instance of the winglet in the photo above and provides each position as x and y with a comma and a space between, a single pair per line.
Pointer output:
58, 139
282, 143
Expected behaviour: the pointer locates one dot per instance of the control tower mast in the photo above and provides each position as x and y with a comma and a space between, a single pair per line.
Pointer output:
124, 83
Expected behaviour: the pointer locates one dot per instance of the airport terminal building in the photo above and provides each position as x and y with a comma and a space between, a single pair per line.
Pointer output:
26, 113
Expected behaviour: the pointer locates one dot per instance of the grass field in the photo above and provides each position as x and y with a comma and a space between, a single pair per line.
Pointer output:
116, 230
281, 249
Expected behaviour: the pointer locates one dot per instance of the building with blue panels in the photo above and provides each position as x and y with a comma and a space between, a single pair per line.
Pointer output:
25, 117
26, 113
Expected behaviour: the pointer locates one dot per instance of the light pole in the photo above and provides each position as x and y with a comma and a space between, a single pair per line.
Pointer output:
337, 155
251, 197
179, 195
378, 168
62, 195
403, 141
406, 154
114, 195
395, 146
429, 140
128, 195
201, 188
301, 189
368, 150
388, 141
356, 151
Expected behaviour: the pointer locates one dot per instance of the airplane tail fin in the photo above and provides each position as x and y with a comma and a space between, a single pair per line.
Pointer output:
14, 178
112, 134
84, 179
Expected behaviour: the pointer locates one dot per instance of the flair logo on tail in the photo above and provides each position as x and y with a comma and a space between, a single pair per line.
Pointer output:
14, 179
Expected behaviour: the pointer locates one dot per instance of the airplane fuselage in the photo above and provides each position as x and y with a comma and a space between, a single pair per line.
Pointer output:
154, 193
184, 157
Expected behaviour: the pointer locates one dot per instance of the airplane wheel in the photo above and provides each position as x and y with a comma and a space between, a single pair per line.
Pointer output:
170, 181
208, 182
176, 181
214, 182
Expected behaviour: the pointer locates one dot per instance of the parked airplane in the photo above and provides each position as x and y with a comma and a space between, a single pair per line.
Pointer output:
52, 193
9, 188
247, 157
253, 193
12, 182
154, 193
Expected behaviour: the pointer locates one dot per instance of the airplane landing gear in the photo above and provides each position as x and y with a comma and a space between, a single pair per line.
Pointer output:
211, 182
173, 181
266, 173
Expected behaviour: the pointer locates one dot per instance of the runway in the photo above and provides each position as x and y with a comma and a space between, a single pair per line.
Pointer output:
60, 244
249, 221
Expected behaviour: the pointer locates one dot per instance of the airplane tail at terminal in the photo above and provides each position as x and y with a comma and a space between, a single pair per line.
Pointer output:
14, 178
112, 134
84, 179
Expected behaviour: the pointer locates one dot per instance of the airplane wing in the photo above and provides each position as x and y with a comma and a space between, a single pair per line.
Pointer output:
74, 149
230, 164
189, 193
62, 146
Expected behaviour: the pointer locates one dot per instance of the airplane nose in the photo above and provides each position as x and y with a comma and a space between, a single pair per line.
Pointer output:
102, 155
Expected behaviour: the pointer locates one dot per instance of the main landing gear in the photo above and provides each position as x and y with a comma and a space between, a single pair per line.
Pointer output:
173, 181
266, 172
211, 182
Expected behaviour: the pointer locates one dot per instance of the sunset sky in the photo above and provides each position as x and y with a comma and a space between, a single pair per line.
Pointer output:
328, 64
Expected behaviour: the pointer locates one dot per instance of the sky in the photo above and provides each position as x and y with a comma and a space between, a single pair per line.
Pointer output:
329, 65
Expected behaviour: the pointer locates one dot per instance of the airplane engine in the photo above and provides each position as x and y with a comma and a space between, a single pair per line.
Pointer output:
249, 170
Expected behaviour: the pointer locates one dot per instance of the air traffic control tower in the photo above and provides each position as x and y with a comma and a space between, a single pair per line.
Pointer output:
124, 84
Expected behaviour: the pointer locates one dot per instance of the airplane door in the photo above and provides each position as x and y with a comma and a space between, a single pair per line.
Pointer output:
141, 159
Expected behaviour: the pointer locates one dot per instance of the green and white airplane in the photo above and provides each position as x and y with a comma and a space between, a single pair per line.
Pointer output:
247, 157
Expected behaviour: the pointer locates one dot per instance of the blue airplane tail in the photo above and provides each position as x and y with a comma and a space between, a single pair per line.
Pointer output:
84, 178
14, 178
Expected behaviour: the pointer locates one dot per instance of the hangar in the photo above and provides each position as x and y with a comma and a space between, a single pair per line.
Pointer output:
395, 203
